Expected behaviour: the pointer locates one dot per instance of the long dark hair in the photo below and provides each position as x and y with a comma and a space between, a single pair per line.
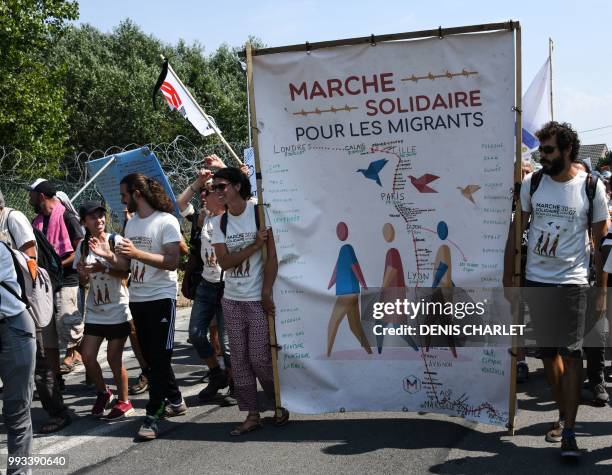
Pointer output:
236, 177
150, 189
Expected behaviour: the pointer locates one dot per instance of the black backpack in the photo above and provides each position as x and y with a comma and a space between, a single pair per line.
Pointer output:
591, 189
47, 258
223, 223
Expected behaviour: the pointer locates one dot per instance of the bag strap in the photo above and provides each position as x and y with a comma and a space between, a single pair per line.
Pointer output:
8, 227
111, 242
224, 223
83, 253
591, 189
194, 226
23, 298
536, 178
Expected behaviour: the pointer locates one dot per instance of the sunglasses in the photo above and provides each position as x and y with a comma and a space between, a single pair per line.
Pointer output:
546, 149
219, 187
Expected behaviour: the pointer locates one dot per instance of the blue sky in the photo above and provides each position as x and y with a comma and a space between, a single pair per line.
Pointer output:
580, 30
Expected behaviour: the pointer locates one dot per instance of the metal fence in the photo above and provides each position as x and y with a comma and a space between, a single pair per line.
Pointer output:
180, 160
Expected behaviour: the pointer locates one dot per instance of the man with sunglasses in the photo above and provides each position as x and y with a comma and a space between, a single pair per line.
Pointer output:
556, 274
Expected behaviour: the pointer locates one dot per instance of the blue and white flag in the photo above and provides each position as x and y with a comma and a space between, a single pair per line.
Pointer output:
536, 108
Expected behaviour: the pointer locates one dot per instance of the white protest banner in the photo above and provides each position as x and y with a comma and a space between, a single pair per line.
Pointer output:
386, 165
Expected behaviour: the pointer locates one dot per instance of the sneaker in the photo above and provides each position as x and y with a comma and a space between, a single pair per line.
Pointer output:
141, 386
103, 401
600, 395
205, 377
229, 398
522, 372
554, 434
569, 447
218, 380
120, 410
148, 430
173, 410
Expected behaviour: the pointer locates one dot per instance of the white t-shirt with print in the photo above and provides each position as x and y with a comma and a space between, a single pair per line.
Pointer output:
150, 235
16, 226
107, 298
245, 281
558, 247
211, 270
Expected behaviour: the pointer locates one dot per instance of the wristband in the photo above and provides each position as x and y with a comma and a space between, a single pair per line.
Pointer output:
193, 190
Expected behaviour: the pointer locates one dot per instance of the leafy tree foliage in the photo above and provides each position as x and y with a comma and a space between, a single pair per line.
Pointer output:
32, 117
109, 83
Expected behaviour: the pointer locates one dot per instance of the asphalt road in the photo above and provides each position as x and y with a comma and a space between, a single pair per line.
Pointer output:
335, 443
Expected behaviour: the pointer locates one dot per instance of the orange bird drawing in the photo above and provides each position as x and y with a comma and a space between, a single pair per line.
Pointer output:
468, 191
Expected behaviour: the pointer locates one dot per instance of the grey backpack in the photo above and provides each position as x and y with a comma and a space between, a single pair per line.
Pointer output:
36, 291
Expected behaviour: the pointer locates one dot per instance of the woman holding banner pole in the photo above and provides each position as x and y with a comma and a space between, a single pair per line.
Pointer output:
247, 300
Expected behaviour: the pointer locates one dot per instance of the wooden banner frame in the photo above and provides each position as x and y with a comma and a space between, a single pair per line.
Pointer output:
373, 40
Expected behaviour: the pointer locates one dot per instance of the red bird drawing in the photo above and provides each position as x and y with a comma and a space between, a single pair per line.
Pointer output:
421, 182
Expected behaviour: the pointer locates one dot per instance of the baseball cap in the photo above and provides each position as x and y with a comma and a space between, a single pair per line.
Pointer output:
89, 207
43, 186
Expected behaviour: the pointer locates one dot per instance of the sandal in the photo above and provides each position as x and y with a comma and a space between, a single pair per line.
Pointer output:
66, 368
244, 428
281, 420
55, 424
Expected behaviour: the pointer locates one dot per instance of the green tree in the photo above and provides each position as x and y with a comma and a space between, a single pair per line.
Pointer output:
110, 79
32, 117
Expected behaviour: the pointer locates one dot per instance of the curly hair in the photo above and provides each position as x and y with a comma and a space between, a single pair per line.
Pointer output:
150, 189
236, 177
567, 137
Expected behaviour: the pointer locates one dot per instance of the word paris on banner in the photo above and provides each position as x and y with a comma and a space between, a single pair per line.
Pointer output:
386, 166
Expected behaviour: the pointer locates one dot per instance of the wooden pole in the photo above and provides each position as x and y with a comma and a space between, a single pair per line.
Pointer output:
211, 124
517, 224
550, 62
509, 25
271, 320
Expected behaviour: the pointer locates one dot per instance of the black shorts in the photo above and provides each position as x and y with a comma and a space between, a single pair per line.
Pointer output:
558, 317
109, 332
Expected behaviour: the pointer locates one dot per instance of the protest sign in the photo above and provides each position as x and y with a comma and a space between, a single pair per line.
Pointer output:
141, 160
386, 165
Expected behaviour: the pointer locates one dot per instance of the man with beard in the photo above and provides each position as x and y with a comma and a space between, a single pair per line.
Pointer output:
152, 239
560, 205
63, 230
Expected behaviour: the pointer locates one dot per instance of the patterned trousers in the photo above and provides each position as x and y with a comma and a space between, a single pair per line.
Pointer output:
246, 324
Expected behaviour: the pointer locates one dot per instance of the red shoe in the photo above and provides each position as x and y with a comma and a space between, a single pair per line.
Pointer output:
120, 410
103, 401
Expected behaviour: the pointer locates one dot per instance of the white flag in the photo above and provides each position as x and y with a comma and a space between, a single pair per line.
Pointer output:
178, 98
536, 108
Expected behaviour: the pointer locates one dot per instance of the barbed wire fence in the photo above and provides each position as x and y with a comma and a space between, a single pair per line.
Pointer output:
180, 160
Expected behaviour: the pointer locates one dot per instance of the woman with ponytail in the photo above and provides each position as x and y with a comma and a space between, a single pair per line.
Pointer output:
107, 313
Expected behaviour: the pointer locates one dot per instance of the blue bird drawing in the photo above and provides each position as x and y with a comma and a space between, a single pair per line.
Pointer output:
374, 169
